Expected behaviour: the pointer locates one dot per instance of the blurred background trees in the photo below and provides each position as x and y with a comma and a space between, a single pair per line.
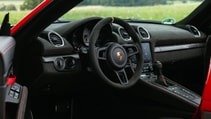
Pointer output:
133, 2
9, 7
30, 4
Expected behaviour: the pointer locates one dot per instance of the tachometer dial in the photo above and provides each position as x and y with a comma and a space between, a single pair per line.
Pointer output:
86, 34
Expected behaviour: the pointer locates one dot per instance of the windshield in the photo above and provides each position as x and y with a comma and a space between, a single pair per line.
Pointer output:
156, 10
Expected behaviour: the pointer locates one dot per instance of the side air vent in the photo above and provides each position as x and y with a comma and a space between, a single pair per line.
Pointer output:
143, 33
123, 33
194, 30
55, 39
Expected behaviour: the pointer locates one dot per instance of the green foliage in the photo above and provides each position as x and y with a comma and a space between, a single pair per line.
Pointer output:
10, 7
15, 16
30, 4
129, 2
158, 12
12, 0
123, 2
2, 7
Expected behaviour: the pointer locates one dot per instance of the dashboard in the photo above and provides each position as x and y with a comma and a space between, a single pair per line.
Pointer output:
157, 39
63, 46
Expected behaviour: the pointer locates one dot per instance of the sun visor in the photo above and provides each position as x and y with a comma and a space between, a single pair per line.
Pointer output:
7, 48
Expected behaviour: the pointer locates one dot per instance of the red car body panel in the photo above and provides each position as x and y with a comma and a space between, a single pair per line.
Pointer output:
206, 97
29, 16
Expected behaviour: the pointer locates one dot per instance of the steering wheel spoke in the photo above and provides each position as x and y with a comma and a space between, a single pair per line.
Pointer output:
101, 53
122, 77
131, 49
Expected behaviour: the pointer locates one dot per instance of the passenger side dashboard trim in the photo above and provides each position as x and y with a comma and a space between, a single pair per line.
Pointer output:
178, 47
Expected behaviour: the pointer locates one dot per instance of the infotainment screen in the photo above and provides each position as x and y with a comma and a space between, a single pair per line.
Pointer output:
147, 55
147, 52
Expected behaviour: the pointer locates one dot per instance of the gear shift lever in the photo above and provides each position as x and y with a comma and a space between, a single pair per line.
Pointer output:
158, 70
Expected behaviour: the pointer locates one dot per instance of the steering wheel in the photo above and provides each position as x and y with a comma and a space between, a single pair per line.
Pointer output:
118, 69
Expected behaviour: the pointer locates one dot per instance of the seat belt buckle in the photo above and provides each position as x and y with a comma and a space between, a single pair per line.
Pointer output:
11, 79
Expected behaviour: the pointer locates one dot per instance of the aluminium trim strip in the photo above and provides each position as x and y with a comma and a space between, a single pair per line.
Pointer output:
53, 58
169, 48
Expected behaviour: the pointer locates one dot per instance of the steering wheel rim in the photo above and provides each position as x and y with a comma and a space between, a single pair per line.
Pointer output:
119, 66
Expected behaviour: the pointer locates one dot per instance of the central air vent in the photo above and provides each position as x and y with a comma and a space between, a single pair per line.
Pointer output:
193, 30
143, 32
55, 39
123, 33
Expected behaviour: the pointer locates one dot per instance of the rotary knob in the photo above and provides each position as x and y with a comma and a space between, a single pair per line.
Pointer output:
59, 64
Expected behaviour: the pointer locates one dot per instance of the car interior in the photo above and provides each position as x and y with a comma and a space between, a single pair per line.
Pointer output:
109, 67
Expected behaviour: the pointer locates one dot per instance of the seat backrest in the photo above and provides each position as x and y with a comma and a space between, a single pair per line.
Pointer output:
7, 48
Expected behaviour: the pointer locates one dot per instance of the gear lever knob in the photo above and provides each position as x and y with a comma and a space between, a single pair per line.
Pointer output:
158, 70
158, 66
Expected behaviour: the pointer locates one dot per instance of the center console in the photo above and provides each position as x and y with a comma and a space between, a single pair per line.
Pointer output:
152, 77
